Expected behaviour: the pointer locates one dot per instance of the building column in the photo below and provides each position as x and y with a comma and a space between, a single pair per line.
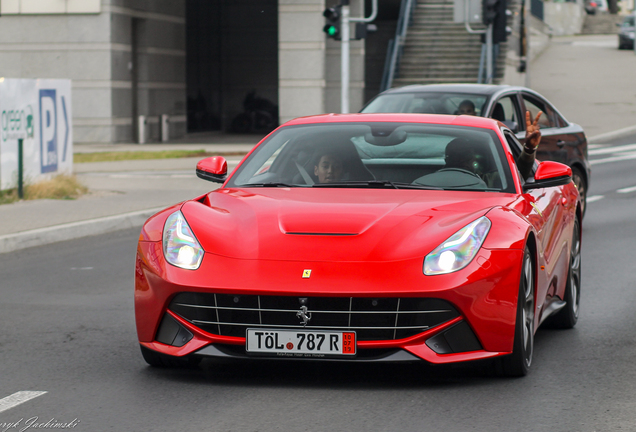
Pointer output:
301, 58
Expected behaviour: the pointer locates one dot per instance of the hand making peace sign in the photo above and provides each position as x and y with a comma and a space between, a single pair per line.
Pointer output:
533, 134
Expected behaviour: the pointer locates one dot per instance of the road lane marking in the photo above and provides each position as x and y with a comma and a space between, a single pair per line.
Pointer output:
609, 150
18, 398
627, 190
624, 157
593, 198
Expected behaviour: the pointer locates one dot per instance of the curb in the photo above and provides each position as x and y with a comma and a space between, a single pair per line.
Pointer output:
600, 139
74, 230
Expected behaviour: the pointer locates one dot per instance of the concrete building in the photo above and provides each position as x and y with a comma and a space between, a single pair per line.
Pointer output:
194, 60
199, 62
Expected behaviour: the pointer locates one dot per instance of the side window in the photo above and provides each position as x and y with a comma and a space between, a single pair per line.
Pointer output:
548, 118
505, 112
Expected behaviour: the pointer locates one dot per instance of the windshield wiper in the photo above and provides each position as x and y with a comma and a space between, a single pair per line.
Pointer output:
270, 184
375, 184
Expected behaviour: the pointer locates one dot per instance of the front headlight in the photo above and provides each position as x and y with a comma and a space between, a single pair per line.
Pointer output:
459, 249
180, 246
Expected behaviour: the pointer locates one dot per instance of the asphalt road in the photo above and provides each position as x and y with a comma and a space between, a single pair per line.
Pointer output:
66, 315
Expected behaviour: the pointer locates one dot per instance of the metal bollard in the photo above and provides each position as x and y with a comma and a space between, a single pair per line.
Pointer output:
165, 128
141, 130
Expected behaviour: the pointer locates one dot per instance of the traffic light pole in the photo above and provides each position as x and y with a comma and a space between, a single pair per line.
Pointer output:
489, 71
488, 33
344, 63
344, 49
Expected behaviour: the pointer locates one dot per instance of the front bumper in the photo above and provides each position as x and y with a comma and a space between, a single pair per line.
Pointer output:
483, 296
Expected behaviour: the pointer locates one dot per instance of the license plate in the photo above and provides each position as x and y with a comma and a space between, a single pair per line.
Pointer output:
300, 343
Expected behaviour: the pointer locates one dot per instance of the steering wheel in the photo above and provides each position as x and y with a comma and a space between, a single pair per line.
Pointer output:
461, 170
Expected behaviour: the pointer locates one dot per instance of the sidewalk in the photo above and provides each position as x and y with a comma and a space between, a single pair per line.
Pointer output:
590, 81
123, 194
586, 77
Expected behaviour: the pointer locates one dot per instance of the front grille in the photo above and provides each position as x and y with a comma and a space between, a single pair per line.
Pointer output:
382, 318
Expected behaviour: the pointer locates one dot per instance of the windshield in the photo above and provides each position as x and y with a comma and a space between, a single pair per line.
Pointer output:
427, 103
378, 155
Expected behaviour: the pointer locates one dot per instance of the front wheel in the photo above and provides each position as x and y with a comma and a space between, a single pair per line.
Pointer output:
518, 363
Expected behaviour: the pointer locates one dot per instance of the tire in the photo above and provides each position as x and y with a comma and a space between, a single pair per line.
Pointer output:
579, 180
155, 359
518, 363
567, 317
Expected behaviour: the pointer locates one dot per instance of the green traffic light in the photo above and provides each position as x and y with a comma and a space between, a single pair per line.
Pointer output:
332, 30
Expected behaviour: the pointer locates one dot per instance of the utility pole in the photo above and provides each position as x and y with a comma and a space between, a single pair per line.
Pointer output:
337, 27
344, 58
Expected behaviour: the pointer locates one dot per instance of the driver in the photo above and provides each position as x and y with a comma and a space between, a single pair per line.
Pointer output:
461, 154
329, 168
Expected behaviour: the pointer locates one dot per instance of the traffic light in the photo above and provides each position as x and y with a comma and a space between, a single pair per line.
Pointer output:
363, 29
489, 11
499, 25
332, 28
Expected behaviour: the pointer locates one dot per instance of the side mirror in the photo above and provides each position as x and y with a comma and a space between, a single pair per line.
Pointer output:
213, 169
549, 174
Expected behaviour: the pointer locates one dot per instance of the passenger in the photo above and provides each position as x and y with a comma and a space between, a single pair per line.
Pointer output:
525, 161
329, 168
466, 107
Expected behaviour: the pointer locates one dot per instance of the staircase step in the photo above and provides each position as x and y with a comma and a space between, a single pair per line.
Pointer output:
438, 50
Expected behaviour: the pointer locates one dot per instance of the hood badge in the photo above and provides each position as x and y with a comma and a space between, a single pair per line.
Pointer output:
303, 313
306, 274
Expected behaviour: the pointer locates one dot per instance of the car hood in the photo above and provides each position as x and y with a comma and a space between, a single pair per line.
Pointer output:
303, 224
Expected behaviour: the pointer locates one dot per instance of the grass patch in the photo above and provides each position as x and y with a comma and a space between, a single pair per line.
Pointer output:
62, 186
140, 155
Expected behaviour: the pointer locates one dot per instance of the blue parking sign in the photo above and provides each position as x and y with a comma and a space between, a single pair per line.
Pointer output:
48, 130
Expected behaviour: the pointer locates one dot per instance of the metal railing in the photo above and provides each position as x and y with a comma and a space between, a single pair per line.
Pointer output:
396, 45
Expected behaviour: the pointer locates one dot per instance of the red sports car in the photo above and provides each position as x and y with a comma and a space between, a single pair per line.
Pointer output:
365, 237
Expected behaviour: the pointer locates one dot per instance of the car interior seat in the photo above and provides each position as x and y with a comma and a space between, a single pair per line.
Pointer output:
498, 113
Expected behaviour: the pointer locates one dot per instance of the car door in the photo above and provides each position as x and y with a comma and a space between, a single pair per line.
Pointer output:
554, 142
545, 211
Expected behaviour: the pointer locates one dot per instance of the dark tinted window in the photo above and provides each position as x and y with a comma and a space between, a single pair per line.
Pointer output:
505, 110
424, 103
548, 118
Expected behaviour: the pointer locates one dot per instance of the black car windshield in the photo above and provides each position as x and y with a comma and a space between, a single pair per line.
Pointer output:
378, 155
427, 103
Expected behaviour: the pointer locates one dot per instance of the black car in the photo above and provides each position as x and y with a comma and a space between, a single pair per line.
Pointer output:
626, 33
561, 140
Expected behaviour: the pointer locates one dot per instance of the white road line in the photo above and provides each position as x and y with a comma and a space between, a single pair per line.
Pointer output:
624, 157
18, 398
609, 150
593, 198
627, 190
